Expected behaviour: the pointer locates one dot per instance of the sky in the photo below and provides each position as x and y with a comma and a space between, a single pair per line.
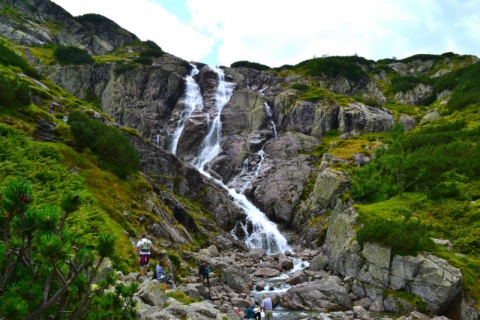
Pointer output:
279, 32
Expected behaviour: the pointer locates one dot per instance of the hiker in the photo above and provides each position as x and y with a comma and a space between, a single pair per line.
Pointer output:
161, 275
267, 306
203, 272
143, 248
249, 313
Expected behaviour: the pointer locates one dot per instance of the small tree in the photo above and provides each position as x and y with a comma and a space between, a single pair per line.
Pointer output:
44, 272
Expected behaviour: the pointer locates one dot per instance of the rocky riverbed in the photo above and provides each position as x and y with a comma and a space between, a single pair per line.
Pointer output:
299, 283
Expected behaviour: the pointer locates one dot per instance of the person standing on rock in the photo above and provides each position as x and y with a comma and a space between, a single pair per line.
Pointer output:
143, 248
267, 306
204, 272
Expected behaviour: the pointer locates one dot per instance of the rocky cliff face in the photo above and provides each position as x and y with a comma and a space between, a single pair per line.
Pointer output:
29, 27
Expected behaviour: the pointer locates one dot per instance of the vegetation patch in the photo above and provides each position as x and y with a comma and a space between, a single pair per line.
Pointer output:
251, 65
113, 148
72, 55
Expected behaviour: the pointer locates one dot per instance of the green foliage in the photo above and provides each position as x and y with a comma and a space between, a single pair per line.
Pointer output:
181, 296
123, 68
152, 53
368, 101
175, 259
41, 263
143, 60
152, 45
94, 18
406, 83
72, 55
334, 67
300, 87
113, 147
423, 57
251, 65
10, 58
435, 161
466, 91
405, 237
315, 95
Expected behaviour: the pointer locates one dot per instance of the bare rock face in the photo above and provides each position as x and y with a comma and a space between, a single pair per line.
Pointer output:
283, 175
417, 96
98, 35
317, 118
360, 117
343, 250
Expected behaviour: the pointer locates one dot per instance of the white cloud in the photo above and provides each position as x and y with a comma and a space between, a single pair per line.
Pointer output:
276, 32
148, 21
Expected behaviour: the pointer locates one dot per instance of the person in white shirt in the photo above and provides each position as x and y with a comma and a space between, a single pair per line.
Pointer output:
143, 248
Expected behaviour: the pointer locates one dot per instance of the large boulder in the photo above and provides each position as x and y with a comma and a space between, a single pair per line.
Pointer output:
236, 278
437, 283
327, 294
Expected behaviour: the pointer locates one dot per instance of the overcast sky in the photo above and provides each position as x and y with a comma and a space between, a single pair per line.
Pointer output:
278, 32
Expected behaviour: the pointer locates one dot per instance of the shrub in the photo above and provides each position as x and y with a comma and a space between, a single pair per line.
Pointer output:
122, 68
404, 84
93, 18
46, 272
13, 92
300, 87
251, 65
143, 60
152, 53
72, 55
10, 58
152, 45
334, 67
113, 147
421, 161
405, 237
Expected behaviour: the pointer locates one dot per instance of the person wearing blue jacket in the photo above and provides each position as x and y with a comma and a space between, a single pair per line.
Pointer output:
204, 272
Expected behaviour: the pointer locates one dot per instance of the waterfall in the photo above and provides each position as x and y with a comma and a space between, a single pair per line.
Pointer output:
211, 144
269, 114
263, 232
193, 100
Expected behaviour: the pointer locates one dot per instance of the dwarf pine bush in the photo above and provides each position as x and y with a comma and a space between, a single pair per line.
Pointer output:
46, 273
112, 146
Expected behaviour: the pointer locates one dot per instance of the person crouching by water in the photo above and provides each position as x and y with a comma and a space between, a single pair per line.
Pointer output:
143, 248
250, 312
162, 276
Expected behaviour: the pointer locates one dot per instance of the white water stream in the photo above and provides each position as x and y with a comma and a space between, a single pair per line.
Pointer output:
259, 230
193, 100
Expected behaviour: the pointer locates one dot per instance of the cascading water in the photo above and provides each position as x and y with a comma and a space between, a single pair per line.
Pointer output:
263, 232
193, 100
211, 144
269, 113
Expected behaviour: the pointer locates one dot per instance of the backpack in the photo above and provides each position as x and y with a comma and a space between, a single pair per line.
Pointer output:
145, 245
201, 269
154, 274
